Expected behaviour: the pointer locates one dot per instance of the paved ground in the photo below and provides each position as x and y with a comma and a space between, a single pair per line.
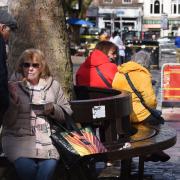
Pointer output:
154, 171
169, 170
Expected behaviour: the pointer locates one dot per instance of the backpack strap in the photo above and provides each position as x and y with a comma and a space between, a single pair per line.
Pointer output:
103, 78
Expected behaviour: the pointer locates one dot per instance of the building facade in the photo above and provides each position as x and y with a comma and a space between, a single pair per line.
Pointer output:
117, 14
154, 17
4, 4
161, 16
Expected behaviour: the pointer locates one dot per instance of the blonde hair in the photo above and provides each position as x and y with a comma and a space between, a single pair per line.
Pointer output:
34, 55
104, 37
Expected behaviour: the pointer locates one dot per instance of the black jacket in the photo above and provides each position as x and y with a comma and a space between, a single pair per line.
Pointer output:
4, 94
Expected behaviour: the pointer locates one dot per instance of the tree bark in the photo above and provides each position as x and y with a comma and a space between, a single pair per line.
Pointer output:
41, 24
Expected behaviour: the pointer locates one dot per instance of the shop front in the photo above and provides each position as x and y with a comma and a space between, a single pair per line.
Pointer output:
120, 19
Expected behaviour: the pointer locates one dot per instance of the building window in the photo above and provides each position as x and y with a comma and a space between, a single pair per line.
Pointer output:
151, 8
151, 22
174, 9
108, 1
127, 1
108, 18
4, 8
162, 8
156, 7
175, 6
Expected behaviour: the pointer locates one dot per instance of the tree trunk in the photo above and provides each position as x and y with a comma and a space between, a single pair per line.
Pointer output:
41, 24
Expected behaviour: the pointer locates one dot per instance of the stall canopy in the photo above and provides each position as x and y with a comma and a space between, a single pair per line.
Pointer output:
80, 22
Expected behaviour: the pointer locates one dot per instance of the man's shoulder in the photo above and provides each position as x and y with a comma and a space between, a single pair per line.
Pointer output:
1, 40
3, 55
2, 44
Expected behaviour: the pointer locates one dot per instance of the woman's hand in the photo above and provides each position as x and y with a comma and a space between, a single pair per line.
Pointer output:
48, 109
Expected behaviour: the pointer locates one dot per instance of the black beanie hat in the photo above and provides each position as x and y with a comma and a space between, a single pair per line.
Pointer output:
8, 20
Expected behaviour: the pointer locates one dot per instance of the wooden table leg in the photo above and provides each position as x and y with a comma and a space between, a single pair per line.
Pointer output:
141, 168
125, 168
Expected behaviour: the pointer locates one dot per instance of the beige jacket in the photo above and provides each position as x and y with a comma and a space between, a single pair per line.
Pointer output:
25, 133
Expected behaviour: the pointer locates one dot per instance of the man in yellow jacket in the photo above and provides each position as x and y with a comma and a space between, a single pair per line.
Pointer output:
137, 70
141, 78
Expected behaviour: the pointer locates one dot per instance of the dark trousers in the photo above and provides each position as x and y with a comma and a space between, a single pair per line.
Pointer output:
151, 120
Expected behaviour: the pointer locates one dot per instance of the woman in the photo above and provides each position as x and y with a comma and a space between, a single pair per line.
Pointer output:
103, 58
137, 70
26, 126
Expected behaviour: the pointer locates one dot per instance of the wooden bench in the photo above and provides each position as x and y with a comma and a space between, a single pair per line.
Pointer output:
115, 117
117, 130
145, 140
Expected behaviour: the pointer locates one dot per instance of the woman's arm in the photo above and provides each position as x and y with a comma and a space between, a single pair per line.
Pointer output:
10, 115
61, 105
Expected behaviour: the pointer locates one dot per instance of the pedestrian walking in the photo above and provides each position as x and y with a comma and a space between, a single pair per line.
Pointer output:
7, 24
116, 39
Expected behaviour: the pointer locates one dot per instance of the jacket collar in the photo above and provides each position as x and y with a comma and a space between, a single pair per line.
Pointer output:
97, 58
132, 66
43, 84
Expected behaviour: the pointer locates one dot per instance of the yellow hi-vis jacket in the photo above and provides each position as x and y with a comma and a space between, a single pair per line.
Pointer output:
141, 78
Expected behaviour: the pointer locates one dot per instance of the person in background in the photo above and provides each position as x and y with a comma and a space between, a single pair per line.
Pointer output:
177, 44
140, 76
7, 24
154, 37
102, 57
104, 36
115, 38
26, 125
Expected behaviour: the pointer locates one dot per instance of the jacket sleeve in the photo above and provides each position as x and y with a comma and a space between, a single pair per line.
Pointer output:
4, 95
61, 106
11, 114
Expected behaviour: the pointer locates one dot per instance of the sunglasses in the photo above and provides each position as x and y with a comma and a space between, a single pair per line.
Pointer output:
28, 65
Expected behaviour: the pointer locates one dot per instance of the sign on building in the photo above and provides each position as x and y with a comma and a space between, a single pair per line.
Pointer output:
164, 21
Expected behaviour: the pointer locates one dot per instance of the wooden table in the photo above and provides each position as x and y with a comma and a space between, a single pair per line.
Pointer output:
146, 140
